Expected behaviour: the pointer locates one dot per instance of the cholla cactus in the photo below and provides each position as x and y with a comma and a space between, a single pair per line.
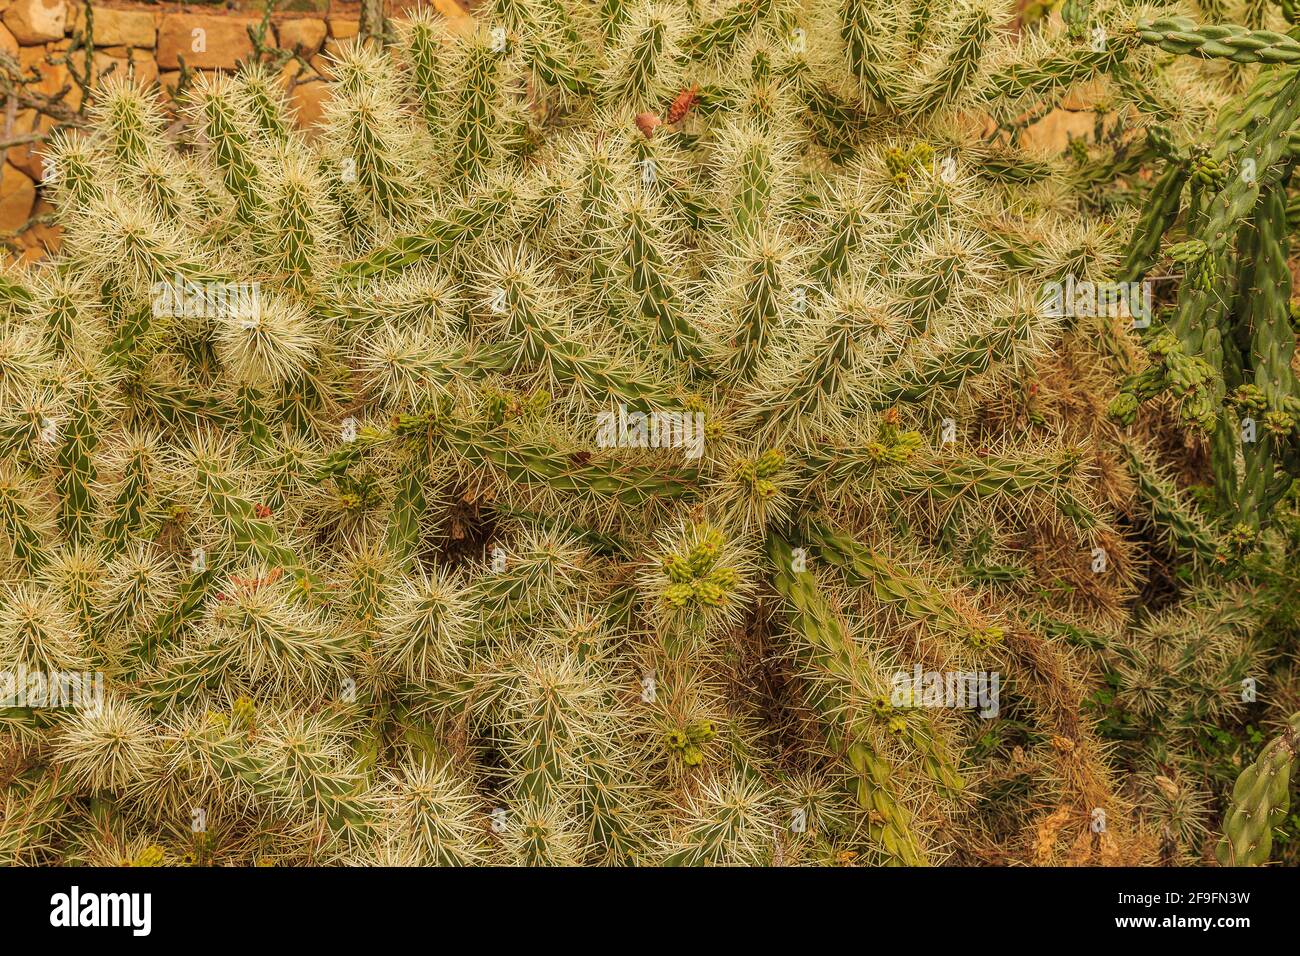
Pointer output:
1261, 798
1226, 351
558, 459
1178, 678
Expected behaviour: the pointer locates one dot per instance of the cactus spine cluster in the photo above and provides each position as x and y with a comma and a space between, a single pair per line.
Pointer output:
1225, 352
557, 460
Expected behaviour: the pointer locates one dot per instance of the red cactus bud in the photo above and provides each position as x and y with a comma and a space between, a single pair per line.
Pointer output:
682, 104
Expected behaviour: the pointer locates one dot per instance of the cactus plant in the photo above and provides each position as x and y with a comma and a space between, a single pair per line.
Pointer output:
1260, 800
555, 460
1225, 352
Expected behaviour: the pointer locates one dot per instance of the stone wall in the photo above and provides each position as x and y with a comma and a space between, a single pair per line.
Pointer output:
149, 41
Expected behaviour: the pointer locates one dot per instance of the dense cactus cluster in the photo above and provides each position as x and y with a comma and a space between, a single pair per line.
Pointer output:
1226, 350
558, 459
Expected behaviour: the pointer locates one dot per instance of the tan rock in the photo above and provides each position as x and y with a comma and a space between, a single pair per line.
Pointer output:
172, 78
463, 26
1084, 96
41, 239
133, 28
19, 156
1053, 132
308, 97
451, 10
290, 70
76, 57
203, 41
305, 36
168, 80
323, 62
342, 29
35, 21
54, 76
141, 66
333, 46
8, 42
17, 194
28, 157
